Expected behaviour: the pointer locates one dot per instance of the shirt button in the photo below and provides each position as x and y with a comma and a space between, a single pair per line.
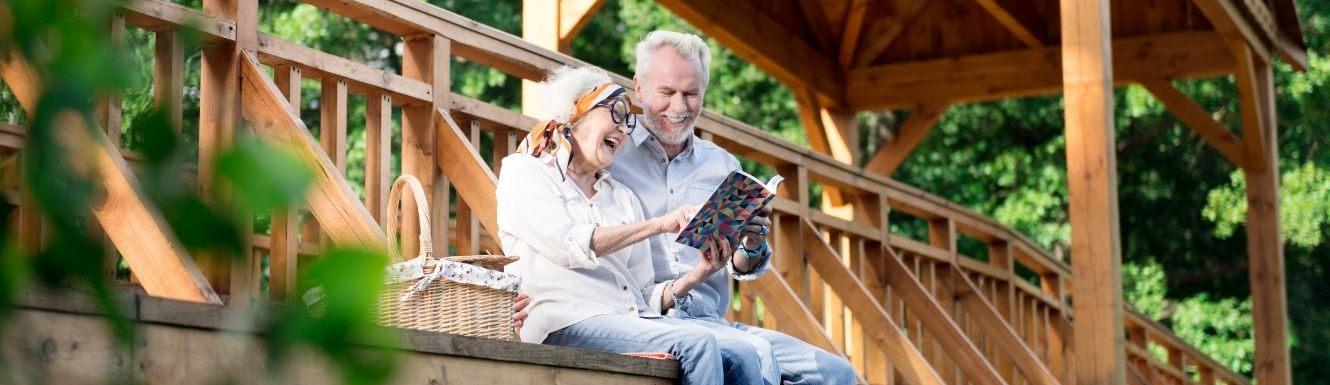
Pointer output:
625, 287
630, 308
671, 191
663, 160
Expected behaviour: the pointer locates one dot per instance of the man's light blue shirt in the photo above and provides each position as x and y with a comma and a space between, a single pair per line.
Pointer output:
664, 184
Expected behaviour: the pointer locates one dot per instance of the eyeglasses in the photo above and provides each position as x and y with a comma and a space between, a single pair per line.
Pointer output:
620, 113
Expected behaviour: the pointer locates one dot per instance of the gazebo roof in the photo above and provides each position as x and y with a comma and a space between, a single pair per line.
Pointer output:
854, 54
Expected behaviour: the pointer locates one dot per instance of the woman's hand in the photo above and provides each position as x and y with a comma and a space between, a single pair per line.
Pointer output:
716, 252
676, 220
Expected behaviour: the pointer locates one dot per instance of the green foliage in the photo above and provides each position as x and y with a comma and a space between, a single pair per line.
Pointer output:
1220, 328
1145, 288
1304, 205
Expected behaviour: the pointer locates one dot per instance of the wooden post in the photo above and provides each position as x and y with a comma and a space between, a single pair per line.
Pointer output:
468, 233
378, 153
284, 243
789, 231
219, 115
425, 58
332, 127
107, 110
1087, 73
942, 234
168, 77
1265, 246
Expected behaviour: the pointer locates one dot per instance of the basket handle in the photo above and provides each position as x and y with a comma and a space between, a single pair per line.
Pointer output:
408, 181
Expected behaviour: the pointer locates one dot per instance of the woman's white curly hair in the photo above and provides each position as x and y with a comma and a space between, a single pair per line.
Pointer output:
561, 89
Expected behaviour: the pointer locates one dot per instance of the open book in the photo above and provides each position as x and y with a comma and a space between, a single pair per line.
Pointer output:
729, 209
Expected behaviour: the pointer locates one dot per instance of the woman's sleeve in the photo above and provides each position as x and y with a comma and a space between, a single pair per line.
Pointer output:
531, 209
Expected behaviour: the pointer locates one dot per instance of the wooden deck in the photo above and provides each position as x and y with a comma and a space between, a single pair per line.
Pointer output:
57, 338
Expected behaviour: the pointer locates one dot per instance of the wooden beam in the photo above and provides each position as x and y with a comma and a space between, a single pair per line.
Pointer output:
284, 244
136, 228
886, 30
854, 24
331, 200
912, 131
574, 15
816, 18
1265, 245
1200, 121
219, 116
1087, 57
425, 58
1019, 23
884, 331
1227, 18
972, 300
766, 43
472, 178
1032, 72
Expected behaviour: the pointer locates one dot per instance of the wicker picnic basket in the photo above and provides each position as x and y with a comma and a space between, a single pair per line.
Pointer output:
425, 293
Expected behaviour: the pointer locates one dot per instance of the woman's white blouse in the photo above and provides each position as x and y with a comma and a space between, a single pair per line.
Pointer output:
547, 223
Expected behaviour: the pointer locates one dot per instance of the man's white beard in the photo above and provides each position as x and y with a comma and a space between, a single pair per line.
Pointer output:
672, 139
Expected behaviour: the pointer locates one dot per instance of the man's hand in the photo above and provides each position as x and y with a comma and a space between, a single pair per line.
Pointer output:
519, 311
757, 229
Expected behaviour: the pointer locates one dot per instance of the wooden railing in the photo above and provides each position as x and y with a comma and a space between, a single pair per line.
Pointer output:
903, 310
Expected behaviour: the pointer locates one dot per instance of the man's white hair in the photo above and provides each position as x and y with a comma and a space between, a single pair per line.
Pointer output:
688, 46
561, 89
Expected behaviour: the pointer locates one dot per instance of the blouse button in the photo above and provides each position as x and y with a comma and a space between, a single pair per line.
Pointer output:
630, 308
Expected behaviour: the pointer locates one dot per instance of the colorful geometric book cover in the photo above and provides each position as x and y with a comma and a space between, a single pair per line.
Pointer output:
729, 209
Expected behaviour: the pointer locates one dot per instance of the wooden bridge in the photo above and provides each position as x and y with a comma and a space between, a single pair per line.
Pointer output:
902, 310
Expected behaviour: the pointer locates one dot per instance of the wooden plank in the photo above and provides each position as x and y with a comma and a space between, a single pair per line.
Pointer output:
766, 43
911, 132
854, 24
331, 200
474, 181
942, 235
885, 333
1265, 245
1031, 72
136, 228
1021, 24
359, 77
574, 15
378, 153
885, 30
164, 15
1200, 121
1087, 56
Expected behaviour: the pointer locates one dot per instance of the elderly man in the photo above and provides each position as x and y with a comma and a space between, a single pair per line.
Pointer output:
667, 166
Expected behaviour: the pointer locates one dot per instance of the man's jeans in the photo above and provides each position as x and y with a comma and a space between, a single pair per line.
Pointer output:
783, 359
703, 360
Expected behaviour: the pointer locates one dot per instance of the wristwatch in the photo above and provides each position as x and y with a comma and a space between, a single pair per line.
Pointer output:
754, 253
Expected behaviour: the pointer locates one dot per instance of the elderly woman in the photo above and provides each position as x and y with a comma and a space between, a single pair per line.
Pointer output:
580, 235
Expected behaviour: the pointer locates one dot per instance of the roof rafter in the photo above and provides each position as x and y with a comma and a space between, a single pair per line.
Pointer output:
1020, 24
1031, 72
887, 29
